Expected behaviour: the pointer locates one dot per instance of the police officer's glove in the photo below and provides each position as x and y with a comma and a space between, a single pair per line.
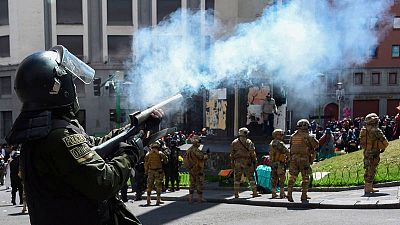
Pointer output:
153, 122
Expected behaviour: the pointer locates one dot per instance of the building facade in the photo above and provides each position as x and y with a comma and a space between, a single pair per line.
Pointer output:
373, 87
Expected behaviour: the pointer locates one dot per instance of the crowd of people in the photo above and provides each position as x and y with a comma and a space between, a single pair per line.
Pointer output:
10, 173
344, 135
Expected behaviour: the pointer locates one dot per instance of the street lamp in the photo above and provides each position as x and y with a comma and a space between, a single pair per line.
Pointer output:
321, 77
339, 98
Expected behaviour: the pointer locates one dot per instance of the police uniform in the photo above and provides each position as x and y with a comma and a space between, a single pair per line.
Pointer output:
279, 155
302, 153
153, 162
196, 158
67, 183
374, 142
244, 160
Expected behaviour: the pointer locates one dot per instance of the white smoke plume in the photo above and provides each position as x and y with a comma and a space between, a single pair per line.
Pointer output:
292, 43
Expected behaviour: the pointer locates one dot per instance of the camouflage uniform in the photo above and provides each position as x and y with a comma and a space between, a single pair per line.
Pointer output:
153, 162
196, 159
279, 155
243, 160
302, 153
374, 142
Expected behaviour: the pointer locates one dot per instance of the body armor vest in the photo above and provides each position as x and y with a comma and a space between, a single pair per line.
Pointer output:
50, 200
154, 160
241, 148
276, 154
298, 144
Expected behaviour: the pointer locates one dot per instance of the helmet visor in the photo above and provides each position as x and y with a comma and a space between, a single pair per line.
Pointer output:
74, 65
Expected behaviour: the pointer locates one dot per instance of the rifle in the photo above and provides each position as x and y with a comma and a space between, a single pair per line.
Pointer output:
138, 118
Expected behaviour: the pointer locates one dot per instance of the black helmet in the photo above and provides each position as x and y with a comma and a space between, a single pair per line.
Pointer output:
45, 80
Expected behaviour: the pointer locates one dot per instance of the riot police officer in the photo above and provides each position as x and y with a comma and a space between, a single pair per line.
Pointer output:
66, 181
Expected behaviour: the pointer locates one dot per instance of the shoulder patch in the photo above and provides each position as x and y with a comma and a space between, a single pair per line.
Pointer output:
74, 139
81, 153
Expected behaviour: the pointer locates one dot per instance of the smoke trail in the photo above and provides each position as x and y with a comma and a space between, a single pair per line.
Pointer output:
293, 44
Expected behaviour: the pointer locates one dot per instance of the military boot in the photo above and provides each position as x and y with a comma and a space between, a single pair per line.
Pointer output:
200, 198
368, 189
282, 193
159, 200
236, 193
304, 198
255, 193
148, 199
289, 194
190, 198
274, 195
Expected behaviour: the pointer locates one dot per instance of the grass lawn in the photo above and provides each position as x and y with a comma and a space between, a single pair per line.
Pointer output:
348, 169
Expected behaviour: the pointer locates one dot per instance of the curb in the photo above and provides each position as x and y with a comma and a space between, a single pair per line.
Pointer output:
316, 189
290, 205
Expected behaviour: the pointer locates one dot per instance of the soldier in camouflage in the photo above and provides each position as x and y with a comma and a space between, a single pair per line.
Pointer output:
279, 156
243, 160
302, 153
195, 161
153, 162
374, 142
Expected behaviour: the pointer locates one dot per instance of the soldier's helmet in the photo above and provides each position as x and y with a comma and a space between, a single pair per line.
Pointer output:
277, 132
243, 131
372, 119
195, 139
303, 124
45, 80
156, 144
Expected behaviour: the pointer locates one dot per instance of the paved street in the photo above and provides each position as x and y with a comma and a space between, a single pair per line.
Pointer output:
180, 212
209, 213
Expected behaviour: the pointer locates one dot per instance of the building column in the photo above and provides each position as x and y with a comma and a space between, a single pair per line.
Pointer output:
236, 112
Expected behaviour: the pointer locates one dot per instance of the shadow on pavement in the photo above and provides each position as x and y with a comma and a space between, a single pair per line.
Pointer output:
173, 211
18, 214
375, 195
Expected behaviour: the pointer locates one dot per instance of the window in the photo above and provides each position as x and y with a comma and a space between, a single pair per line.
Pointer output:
81, 117
4, 12
210, 4
69, 11
395, 51
119, 47
392, 79
5, 86
373, 52
119, 12
358, 78
396, 22
74, 44
6, 123
4, 46
375, 78
166, 7
194, 4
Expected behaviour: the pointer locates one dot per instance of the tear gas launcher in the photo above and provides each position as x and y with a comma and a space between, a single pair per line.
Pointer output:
138, 119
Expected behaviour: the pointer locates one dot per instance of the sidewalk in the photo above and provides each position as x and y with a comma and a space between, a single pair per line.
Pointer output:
386, 198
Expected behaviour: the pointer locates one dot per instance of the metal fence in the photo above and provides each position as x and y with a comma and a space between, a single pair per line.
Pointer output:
387, 170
